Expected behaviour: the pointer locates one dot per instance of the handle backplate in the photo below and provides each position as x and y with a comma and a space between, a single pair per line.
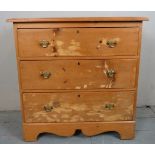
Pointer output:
44, 43
110, 73
109, 106
45, 74
48, 108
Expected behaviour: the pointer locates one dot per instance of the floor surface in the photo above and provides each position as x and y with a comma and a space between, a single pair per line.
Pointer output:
11, 132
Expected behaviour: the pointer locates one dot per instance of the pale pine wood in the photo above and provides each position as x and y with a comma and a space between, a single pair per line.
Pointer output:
78, 107
78, 74
18, 63
75, 58
126, 129
78, 24
127, 64
138, 64
82, 19
78, 42
74, 90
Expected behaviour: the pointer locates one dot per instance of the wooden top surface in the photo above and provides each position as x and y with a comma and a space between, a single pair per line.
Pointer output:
82, 19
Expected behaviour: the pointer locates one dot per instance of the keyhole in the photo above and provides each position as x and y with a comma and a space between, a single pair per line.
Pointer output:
77, 31
100, 41
79, 95
78, 63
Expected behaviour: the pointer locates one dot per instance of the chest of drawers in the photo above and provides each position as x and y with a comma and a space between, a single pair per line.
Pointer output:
78, 74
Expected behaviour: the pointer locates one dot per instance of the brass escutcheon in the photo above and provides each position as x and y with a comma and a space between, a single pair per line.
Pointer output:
48, 108
44, 43
109, 106
110, 73
111, 43
45, 74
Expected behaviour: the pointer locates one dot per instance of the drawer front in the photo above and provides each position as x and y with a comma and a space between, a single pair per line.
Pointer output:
78, 74
78, 42
78, 107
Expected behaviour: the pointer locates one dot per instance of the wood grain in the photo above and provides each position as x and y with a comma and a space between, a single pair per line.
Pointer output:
78, 74
126, 129
78, 42
82, 19
78, 107
78, 25
76, 63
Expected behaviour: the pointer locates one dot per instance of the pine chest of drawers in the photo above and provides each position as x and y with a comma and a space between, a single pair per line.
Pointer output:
78, 74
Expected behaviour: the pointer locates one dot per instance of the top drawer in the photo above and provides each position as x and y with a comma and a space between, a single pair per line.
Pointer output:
78, 42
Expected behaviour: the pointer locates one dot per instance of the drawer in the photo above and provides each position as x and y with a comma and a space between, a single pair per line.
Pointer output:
78, 74
78, 42
78, 106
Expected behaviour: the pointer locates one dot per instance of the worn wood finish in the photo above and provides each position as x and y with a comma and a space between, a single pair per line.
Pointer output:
78, 74
78, 42
78, 25
70, 102
126, 129
75, 58
78, 107
82, 19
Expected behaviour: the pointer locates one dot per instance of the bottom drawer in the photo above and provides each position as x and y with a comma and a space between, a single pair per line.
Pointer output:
78, 106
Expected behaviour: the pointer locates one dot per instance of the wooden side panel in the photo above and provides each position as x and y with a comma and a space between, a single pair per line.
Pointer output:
78, 107
78, 42
78, 74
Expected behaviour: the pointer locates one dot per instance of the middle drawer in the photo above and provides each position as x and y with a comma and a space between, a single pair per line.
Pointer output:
78, 74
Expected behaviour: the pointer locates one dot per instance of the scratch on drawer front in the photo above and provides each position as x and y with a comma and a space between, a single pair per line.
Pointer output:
77, 87
98, 66
85, 86
102, 86
110, 84
106, 66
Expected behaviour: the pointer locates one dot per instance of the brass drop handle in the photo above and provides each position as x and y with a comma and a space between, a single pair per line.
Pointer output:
111, 43
110, 73
44, 43
109, 106
45, 74
48, 108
